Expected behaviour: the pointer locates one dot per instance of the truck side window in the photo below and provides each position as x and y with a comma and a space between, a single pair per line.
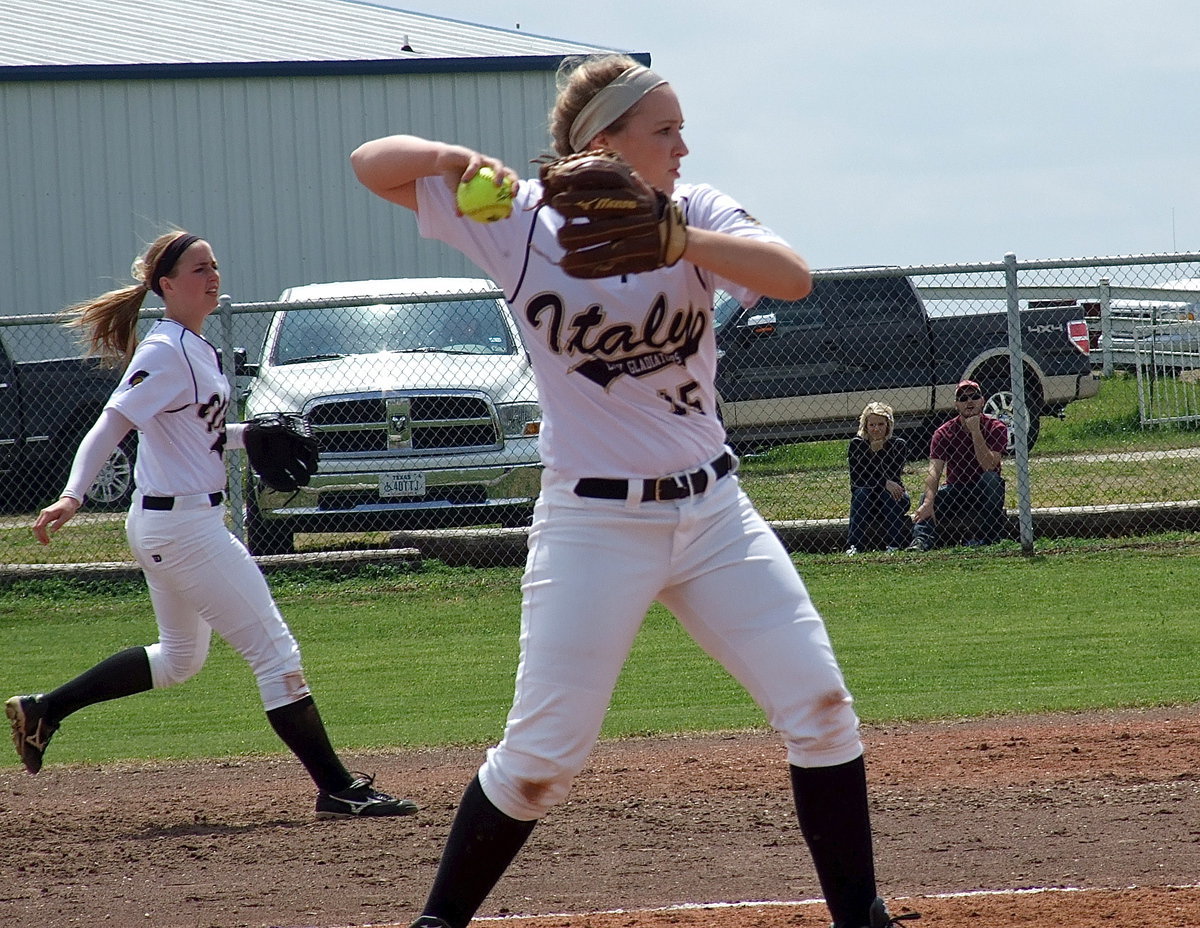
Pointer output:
880, 299
797, 314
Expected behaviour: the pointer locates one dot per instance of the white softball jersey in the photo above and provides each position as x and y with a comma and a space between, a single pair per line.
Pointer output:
624, 373
175, 394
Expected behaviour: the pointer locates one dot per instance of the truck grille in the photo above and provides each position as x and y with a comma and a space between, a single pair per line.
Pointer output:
408, 422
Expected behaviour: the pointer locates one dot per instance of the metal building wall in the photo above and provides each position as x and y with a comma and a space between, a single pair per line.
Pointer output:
92, 170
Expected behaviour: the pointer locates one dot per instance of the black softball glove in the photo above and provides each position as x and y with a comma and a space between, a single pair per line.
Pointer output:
282, 450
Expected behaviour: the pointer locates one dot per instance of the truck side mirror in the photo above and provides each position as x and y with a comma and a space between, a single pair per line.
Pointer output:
242, 367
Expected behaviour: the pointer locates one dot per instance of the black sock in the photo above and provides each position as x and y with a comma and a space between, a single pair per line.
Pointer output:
125, 673
831, 803
299, 726
482, 843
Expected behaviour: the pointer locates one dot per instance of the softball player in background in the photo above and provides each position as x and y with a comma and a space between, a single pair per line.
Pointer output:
200, 576
639, 500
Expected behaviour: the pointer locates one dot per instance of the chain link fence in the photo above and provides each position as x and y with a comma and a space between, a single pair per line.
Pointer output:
421, 396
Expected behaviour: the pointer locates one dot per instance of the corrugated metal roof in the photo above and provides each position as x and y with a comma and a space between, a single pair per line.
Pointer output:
42, 34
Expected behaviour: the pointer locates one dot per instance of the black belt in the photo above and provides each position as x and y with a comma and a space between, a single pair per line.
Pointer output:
658, 489
166, 503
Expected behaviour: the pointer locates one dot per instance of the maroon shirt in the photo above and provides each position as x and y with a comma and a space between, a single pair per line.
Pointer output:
952, 443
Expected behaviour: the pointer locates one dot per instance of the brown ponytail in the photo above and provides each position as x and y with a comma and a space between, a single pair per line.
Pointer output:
109, 321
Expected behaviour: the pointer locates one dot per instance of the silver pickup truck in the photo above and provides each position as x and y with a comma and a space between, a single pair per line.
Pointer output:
421, 396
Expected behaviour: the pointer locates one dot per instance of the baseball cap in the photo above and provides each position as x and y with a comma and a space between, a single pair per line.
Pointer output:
966, 385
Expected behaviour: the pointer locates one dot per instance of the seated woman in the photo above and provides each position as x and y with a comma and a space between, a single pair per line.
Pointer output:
878, 501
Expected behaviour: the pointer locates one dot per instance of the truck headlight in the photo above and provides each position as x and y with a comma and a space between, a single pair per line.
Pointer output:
520, 420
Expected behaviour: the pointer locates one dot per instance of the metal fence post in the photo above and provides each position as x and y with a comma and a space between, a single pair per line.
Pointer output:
233, 462
1106, 327
1016, 354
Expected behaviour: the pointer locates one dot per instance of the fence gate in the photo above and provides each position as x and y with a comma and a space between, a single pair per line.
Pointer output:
1167, 361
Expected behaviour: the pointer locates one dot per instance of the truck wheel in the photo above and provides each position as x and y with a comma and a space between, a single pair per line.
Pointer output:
264, 536
113, 487
998, 401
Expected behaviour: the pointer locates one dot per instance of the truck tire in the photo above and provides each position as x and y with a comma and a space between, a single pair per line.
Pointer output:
265, 536
113, 487
998, 401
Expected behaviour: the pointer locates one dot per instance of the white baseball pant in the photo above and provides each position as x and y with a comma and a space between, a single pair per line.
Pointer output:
594, 567
201, 578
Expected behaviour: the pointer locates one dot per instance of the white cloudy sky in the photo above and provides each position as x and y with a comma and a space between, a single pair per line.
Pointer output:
922, 131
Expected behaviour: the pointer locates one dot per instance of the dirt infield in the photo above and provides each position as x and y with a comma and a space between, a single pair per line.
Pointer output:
1094, 817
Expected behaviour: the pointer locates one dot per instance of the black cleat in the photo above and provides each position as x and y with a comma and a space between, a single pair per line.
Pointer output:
31, 732
878, 917
359, 799
429, 921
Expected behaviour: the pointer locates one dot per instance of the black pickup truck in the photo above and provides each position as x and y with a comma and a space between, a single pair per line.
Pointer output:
45, 409
804, 370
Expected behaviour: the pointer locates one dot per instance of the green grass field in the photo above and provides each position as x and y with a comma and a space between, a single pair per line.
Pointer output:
427, 657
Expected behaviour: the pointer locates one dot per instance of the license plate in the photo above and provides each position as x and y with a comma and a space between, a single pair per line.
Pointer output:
406, 483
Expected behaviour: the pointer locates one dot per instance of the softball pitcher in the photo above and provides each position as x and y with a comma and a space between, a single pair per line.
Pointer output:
200, 576
640, 500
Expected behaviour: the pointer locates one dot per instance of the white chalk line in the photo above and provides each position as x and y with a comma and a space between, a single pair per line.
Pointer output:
797, 903
692, 906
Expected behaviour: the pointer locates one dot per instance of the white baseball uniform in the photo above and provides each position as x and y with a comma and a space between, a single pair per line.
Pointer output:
625, 368
199, 575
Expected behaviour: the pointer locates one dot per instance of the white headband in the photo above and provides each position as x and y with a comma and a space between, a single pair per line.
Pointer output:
611, 102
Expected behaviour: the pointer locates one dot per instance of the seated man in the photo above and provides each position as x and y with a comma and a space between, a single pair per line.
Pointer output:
968, 449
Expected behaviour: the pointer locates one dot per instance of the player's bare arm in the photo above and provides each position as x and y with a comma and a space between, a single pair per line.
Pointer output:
987, 458
54, 517
390, 167
933, 478
765, 267
984, 455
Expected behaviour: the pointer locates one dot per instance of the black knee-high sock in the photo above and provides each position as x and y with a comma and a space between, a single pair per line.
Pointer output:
831, 803
125, 673
299, 726
482, 843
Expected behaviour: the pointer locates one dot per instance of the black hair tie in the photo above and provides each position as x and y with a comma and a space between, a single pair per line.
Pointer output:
169, 258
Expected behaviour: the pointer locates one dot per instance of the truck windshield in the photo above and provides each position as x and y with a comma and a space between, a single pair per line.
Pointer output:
453, 327
724, 309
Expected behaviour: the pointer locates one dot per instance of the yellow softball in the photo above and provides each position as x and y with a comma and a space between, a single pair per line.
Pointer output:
482, 200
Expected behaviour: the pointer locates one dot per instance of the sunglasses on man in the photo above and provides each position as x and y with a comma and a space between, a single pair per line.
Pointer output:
967, 397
